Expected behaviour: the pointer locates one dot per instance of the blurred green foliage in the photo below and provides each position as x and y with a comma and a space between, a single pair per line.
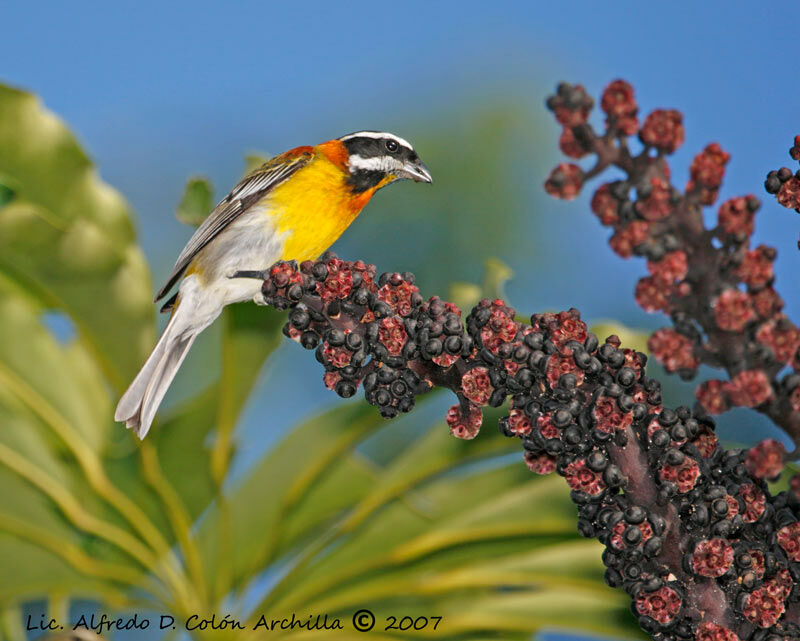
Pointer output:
438, 527
445, 232
197, 201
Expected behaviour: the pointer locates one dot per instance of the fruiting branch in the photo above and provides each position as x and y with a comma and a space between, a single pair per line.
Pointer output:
717, 290
691, 531
689, 528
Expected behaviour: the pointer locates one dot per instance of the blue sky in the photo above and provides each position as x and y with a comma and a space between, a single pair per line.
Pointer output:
161, 90
158, 91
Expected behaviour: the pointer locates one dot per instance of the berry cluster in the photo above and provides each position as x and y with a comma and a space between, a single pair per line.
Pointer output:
691, 531
784, 184
716, 288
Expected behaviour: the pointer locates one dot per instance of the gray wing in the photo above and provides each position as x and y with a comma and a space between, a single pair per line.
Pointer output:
249, 191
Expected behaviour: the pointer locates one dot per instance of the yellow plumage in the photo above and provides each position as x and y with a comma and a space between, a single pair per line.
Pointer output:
312, 209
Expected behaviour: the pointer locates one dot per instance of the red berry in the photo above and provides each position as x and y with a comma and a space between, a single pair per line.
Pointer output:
684, 475
708, 631
633, 359
754, 502
663, 129
540, 463
464, 424
651, 294
763, 609
569, 145
519, 423
765, 460
781, 337
580, 478
571, 105
706, 173
445, 360
673, 266
605, 206
558, 365
656, 205
706, 443
749, 388
736, 217
712, 558
733, 310
758, 562
756, 267
339, 282
392, 335
626, 238
780, 585
336, 356
330, 379
609, 417
565, 327
618, 99
545, 425
713, 397
794, 152
565, 181
789, 194
399, 296
789, 540
476, 386
673, 350
501, 327
662, 605
766, 302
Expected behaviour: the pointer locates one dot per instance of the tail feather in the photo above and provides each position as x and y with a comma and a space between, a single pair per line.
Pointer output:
138, 406
160, 382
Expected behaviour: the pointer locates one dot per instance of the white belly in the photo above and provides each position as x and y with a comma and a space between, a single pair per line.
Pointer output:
251, 243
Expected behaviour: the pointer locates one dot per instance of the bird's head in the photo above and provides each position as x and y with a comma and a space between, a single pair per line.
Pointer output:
377, 158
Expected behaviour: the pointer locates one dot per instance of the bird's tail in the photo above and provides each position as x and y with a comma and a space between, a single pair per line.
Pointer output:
138, 406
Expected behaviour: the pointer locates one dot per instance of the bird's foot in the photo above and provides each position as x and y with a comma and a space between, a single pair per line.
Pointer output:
245, 273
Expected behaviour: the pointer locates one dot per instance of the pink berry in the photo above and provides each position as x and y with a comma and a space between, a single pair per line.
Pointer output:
565, 181
662, 605
712, 558
765, 460
663, 129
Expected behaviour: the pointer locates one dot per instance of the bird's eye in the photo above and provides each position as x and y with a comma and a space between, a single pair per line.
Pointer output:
392, 146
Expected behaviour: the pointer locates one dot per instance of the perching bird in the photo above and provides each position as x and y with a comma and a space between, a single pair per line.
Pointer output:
292, 207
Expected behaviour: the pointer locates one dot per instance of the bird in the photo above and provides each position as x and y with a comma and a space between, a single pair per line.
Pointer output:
293, 207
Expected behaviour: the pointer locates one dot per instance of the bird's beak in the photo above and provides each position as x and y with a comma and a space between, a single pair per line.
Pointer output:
417, 171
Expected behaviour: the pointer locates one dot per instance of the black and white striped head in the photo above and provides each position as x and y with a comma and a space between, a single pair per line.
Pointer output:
377, 158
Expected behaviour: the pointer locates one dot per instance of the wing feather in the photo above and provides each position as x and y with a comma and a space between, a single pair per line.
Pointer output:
251, 189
